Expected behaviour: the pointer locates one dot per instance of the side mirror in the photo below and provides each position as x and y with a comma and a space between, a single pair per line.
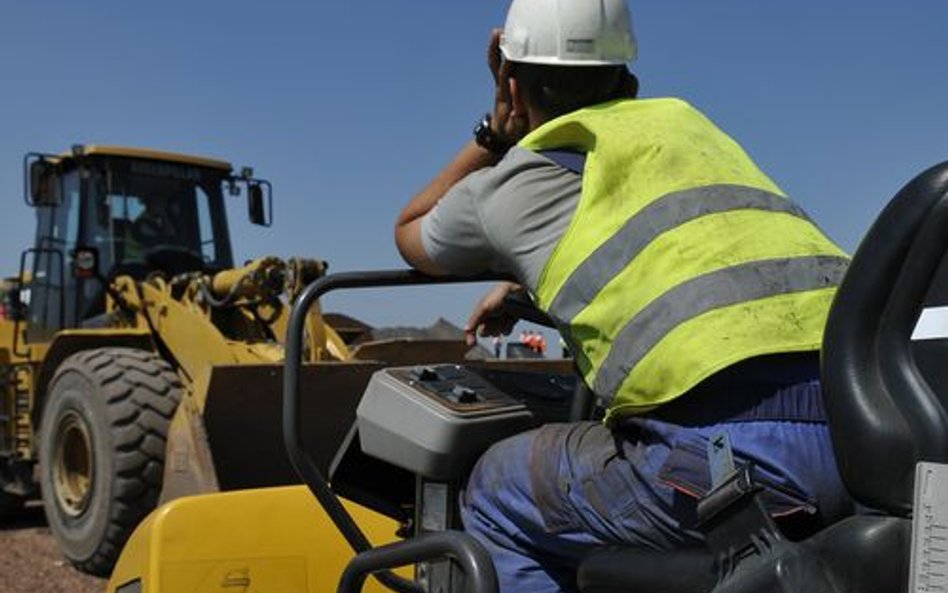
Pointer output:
44, 190
15, 302
259, 204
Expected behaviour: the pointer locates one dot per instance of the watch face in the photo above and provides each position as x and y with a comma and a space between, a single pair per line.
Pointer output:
482, 132
482, 127
485, 138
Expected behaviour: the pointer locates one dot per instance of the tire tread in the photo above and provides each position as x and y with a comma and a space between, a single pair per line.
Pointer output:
141, 392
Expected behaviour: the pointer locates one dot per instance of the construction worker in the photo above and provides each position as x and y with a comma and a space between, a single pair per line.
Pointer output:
155, 223
152, 226
691, 291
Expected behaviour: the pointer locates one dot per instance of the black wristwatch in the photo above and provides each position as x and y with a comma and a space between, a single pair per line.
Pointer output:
485, 137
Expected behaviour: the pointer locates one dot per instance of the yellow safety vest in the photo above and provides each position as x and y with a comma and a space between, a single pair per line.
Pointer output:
682, 257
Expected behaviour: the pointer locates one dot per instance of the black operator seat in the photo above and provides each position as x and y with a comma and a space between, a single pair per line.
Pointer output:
885, 413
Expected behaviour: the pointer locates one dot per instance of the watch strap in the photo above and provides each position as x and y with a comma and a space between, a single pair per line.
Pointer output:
486, 138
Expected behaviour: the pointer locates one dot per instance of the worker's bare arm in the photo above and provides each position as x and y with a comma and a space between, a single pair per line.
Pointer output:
408, 226
508, 123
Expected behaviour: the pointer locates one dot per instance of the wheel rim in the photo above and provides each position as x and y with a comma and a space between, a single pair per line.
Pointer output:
73, 467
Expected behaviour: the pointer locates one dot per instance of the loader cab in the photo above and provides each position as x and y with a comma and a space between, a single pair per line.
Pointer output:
108, 211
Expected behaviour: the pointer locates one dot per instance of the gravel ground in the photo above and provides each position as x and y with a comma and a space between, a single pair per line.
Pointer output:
31, 563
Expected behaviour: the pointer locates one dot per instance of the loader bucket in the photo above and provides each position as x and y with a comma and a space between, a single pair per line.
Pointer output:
242, 414
242, 417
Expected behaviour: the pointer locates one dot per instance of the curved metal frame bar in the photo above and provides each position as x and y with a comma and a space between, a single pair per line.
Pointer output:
480, 575
292, 429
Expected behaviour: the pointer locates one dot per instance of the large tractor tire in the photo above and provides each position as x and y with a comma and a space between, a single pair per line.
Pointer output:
102, 449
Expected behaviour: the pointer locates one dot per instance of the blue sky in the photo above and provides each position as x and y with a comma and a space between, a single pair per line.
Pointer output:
350, 107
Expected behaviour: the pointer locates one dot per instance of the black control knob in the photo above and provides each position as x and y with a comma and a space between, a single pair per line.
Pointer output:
464, 395
425, 374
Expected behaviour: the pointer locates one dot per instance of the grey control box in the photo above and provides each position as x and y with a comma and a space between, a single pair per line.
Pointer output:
435, 420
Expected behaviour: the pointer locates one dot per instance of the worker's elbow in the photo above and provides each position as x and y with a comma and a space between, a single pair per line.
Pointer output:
410, 246
404, 243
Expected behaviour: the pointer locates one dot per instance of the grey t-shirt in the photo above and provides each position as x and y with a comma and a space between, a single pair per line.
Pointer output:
506, 218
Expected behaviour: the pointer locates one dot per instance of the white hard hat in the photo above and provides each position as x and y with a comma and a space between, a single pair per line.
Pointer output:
569, 32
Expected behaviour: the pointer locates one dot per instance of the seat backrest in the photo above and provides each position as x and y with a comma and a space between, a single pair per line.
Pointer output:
885, 410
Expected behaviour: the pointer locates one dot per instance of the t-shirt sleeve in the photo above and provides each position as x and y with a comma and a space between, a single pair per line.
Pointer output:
507, 218
453, 233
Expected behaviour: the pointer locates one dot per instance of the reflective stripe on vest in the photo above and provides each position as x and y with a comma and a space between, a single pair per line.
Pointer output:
722, 288
658, 217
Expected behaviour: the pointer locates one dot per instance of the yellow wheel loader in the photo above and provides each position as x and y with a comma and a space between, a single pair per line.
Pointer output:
417, 430
137, 363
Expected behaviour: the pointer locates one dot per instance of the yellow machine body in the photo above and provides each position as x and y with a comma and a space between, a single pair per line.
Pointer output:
273, 539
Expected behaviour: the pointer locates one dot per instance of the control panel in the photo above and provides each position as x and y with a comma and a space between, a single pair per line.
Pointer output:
436, 420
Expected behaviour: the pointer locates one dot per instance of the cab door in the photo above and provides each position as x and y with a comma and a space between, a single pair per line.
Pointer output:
51, 293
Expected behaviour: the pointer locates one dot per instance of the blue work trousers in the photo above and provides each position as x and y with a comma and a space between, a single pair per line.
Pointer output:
541, 500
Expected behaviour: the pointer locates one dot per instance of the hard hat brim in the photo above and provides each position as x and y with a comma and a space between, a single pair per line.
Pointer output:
557, 61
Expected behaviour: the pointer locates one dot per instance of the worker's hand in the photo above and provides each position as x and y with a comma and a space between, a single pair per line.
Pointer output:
507, 123
489, 318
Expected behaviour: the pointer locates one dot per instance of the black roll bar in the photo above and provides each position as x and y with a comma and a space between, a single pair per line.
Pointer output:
480, 575
380, 559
